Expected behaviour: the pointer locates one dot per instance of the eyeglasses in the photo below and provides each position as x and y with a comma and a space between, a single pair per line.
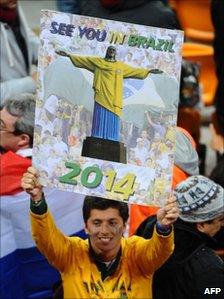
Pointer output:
5, 130
16, 132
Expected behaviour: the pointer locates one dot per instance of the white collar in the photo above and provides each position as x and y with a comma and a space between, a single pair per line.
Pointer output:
26, 152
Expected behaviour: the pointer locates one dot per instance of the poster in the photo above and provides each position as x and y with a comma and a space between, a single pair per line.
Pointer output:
106, 109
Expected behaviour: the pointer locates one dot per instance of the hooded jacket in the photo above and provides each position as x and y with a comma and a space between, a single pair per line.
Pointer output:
143, 12
15, 77
193, 268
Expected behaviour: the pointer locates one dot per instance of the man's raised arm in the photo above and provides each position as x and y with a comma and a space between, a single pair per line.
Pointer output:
49, 239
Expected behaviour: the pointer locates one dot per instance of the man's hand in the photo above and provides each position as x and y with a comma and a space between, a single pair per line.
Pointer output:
31, 185
156, 71
62, 53
169, 213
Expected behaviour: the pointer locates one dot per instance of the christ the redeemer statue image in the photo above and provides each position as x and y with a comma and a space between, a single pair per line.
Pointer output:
108, 89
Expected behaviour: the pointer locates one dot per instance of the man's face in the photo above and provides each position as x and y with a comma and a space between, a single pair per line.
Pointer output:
8, 4
105, 229
8, 140
111, 52
214, 226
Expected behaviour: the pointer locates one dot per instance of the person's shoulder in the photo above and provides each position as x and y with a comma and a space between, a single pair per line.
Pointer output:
206, 268
83, 244
129, 241
209, 257
205, 260
132, 241
98, 60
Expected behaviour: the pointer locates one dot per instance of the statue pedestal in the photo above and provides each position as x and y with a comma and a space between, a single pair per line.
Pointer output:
104, 149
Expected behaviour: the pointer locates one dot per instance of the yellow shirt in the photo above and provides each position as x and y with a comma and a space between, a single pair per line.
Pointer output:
108, 79
80, 276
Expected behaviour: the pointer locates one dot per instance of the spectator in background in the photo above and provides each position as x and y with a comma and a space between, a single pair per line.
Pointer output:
70, 6
188, 116
194, 267
16, 141
189, 100
144, 12
19, 50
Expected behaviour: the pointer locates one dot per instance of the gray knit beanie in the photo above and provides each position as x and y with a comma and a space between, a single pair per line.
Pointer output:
199, 199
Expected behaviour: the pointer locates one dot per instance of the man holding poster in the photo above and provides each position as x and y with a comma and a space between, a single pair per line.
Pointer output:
108, 89
105, 265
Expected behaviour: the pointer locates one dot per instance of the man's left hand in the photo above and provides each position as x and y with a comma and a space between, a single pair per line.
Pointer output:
169, 213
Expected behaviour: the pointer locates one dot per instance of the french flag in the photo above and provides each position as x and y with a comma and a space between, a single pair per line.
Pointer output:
25, 273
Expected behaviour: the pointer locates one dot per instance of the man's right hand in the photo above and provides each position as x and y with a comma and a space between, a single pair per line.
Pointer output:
62, 53
30, 184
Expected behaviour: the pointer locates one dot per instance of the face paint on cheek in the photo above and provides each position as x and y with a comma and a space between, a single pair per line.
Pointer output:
112, 231
119, 230
93, 232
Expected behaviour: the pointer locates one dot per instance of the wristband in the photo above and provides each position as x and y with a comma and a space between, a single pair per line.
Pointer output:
163, 228
38, 207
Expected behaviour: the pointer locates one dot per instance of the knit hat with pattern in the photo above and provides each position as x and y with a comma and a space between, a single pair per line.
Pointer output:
199, 199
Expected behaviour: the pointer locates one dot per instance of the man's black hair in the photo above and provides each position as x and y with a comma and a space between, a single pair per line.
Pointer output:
100, 203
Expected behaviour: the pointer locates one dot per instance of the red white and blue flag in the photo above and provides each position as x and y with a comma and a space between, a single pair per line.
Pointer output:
25, 273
